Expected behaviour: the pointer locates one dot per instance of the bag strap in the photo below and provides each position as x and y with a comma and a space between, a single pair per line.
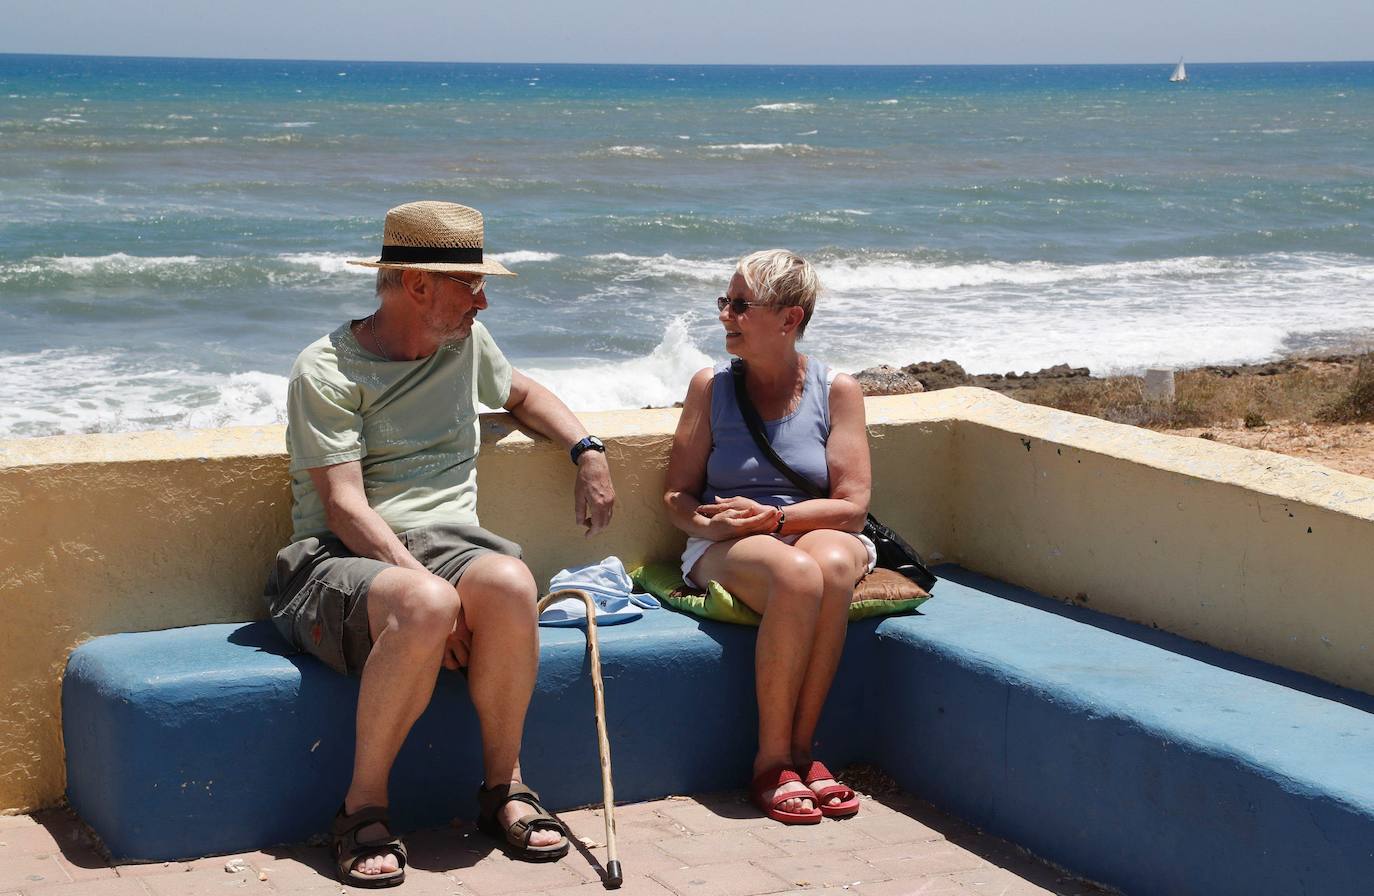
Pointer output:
755, 424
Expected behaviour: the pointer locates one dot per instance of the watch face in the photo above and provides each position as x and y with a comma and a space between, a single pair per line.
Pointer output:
594, 442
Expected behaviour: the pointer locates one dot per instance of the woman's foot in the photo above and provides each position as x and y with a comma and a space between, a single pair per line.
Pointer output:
834, 799
779, 793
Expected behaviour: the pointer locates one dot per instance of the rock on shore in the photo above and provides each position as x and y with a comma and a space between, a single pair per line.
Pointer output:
929, 376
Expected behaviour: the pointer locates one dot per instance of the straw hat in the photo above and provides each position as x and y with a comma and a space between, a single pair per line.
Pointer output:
444, 237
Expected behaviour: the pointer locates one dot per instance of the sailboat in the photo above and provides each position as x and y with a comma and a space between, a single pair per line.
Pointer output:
1180, 73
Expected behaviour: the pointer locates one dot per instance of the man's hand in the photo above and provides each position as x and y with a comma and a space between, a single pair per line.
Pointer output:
737, 517
593, 494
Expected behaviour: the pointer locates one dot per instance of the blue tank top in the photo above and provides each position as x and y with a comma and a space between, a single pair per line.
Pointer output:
737, 468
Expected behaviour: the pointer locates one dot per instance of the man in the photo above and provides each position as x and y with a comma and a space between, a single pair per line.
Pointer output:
389, 575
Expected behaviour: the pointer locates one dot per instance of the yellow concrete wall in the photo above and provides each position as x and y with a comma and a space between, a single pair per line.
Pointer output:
112, 533
1250, 551
132, 532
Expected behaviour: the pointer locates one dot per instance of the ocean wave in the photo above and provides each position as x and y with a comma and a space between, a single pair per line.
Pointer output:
782, 107
625, 152
658, 379
898, 274
761, 147
649, 267
523, 256
326, 262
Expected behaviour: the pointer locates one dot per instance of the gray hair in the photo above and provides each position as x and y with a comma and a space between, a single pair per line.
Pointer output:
782, 279
388, 279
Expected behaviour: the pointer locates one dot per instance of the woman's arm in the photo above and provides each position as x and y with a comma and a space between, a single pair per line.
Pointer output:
686, 476
846, 455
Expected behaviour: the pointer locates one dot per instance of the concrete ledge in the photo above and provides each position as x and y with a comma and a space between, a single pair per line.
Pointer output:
213, 739
1128, 755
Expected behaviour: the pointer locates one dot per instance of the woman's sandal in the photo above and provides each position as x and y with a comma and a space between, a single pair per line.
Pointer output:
516, 838
849, 801
349, 849
772, 779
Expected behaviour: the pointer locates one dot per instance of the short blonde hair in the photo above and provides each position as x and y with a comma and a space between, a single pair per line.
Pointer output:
782, 279
388, 279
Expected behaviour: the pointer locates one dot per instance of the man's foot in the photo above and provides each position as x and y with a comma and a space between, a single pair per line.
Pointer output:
512, 814
366, 853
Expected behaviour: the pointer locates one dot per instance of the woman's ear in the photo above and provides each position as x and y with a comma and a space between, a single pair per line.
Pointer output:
792, 318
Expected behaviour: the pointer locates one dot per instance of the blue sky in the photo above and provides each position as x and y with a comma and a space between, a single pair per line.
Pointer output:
703, 31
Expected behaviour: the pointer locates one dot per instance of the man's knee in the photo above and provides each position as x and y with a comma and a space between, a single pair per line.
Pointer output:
498, 577
420, 601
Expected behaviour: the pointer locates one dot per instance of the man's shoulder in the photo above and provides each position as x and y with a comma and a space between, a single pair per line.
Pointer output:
320, 360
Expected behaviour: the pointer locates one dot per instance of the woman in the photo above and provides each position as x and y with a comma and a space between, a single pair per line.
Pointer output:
792, 558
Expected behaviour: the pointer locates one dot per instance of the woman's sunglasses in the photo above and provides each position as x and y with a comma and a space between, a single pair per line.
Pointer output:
737, 306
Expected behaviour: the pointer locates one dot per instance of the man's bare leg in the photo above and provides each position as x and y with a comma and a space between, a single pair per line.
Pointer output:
841, 558
783, 585
498, 596
410, 614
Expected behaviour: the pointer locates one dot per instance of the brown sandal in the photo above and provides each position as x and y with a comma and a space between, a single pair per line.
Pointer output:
349, 849
516, 838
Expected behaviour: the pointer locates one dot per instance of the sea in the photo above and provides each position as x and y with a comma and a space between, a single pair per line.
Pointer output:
174, 231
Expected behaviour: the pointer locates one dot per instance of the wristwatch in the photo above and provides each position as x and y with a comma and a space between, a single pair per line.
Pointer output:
588, 443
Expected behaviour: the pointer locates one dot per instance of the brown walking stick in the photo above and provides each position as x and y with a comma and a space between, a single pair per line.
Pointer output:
614, 877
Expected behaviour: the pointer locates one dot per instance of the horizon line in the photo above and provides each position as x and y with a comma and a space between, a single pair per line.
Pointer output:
683, 64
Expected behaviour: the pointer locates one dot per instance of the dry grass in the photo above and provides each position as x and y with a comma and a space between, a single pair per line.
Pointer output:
1354, 404
1310, 392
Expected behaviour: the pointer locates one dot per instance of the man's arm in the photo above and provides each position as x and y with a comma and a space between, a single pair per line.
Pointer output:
540, 410
353, 520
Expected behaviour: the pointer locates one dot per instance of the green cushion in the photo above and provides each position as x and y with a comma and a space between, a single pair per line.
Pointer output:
664, 581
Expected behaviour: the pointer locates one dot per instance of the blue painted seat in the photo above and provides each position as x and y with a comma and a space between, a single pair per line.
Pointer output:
1133, 757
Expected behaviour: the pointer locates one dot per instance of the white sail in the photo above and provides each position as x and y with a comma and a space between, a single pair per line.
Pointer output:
1180, 73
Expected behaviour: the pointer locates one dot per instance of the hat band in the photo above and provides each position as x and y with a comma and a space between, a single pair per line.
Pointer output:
438, 254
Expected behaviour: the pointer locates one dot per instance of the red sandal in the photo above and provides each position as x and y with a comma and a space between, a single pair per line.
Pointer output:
773, 778
849, 801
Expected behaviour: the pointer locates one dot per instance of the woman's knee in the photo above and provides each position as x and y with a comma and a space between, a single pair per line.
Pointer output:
797, 577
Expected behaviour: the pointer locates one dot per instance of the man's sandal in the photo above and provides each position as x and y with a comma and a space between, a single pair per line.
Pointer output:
516, 838
349, 849
849, 801
772, 779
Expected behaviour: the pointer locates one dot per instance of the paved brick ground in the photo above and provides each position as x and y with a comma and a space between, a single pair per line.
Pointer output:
711, 845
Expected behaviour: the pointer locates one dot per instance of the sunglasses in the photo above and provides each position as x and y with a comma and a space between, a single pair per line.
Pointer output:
474, 286
737, 306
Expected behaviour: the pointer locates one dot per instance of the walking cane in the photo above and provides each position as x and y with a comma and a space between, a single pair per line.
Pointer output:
614, 877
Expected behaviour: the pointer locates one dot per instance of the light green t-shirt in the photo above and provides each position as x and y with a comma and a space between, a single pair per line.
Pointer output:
413, 424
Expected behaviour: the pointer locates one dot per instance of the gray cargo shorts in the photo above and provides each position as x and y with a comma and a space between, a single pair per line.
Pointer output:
317, 591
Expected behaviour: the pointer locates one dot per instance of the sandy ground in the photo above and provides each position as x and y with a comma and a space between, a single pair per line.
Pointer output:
1346, 447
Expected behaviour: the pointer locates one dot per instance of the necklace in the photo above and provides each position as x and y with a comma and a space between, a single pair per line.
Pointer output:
372, 328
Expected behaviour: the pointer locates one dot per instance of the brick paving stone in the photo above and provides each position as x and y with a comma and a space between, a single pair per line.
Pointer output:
719, 814
497, 875
23, 871
718, 846
912, 886
112, 886
84, 863
31, 839
9, 822
726, 879
922, 859
202, 883
829, 836
636, 827
148, 869
893, 827
824, 869
640, 886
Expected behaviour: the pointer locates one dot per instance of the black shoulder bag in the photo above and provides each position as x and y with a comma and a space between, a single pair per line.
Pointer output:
893, 551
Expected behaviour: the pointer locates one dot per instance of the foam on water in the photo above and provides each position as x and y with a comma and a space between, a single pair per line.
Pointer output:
657, 380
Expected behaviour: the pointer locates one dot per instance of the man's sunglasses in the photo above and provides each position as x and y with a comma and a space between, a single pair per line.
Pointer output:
474, 286
737, 306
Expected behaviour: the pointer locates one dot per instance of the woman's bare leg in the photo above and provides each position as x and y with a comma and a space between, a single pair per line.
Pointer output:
784, 585
842, 559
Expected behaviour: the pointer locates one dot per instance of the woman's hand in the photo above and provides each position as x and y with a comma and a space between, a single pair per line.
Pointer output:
730, 518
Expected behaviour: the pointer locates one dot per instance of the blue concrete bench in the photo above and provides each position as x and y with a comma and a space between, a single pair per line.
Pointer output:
1132, 757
